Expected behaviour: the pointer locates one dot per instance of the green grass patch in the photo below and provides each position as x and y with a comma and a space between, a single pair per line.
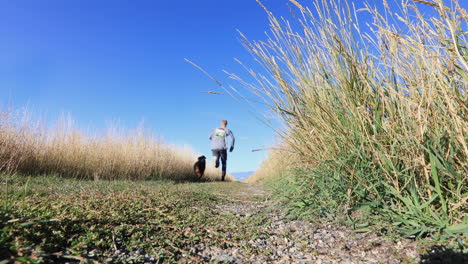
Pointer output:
51, 219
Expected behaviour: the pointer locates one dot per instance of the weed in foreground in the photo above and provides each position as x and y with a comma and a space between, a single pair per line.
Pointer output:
376, 112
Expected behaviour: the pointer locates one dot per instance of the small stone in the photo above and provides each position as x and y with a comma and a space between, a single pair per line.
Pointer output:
224, 259
192, 251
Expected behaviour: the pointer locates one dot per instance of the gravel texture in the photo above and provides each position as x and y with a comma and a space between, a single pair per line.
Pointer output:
287, 241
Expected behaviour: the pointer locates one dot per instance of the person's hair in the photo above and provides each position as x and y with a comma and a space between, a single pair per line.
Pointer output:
224, 122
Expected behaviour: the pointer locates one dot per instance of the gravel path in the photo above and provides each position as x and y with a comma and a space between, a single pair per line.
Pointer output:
287, 241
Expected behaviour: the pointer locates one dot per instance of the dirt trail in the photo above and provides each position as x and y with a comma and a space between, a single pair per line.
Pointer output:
281, 240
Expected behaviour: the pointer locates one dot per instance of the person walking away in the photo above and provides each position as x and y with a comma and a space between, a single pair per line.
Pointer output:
219, 147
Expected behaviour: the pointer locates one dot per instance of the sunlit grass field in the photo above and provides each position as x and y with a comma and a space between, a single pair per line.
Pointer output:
49, 219
70, 196
375, 125
278, 163
31, 148
375, 113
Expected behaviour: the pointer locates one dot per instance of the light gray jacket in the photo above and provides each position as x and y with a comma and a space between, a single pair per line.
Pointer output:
218, 138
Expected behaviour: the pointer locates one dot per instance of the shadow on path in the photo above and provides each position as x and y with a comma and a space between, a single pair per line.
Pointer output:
443, 255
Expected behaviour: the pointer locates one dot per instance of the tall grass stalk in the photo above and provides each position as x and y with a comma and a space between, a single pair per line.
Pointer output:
382, 107
31, 148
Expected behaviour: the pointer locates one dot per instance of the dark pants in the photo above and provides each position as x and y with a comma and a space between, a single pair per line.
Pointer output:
221, 153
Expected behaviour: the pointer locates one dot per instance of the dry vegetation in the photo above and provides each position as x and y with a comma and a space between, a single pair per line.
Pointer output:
378, 112
30, 148
278, 164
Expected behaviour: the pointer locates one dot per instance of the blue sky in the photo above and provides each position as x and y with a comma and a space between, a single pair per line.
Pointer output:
124, 60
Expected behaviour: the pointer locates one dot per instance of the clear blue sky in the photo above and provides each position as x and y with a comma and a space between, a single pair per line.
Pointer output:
124, 60
113, 59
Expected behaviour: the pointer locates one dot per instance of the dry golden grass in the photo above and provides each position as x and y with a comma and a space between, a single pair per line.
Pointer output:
381, 106
29, 148
277, 164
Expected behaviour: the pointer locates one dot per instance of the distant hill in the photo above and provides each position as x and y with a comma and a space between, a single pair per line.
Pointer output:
240, 176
